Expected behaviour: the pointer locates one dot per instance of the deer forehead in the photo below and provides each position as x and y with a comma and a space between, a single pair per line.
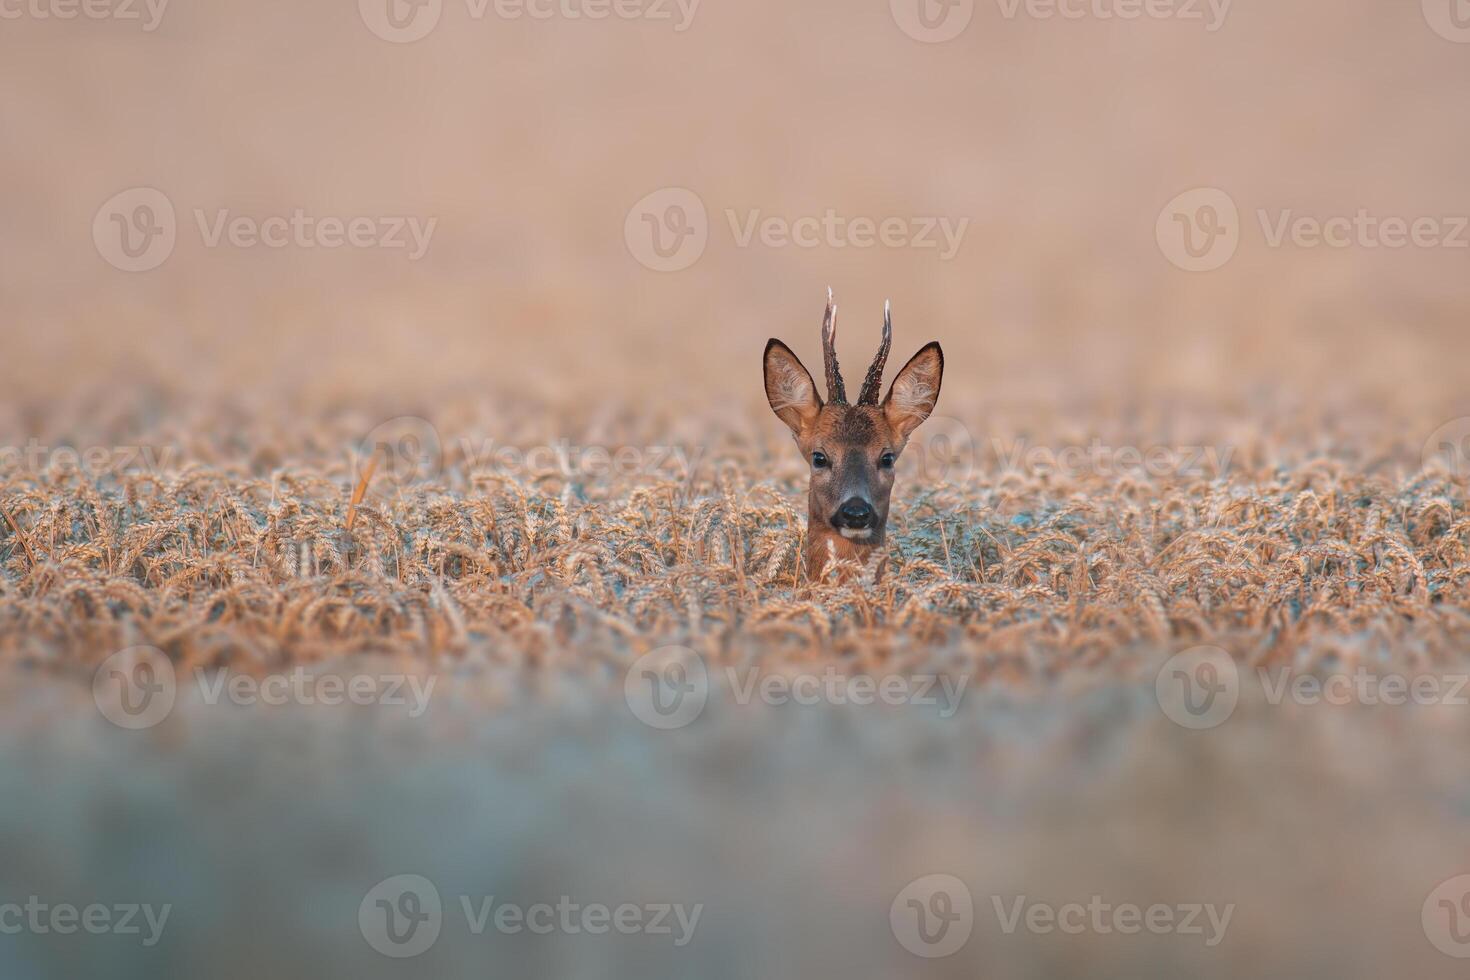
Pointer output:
852, 426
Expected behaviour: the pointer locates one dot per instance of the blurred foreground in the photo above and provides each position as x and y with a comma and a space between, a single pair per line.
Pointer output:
791, 830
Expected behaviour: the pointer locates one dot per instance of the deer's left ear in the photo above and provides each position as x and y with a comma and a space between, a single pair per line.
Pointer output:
915, 390
789, 388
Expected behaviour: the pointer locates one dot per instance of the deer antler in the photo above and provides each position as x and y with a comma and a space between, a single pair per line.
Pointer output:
836, 392
873, 383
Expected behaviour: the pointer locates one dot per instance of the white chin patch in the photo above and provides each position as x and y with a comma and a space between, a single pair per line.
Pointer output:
855, 533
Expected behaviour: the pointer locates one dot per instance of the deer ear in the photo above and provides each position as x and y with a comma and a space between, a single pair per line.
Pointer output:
915, 390
789, 387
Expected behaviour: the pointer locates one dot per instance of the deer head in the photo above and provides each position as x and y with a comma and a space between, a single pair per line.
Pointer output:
851, 449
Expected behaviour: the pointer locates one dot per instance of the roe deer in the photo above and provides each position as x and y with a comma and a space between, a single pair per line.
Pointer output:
852, 449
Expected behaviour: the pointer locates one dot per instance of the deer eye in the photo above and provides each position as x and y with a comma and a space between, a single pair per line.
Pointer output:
887, 460
820, 461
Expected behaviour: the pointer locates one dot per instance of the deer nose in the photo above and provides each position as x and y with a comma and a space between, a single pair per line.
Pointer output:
856, 513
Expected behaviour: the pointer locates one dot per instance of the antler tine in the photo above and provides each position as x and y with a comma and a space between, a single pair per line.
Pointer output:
836, 392
873, 383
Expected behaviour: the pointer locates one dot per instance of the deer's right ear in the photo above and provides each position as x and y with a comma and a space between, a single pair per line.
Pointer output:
789, 387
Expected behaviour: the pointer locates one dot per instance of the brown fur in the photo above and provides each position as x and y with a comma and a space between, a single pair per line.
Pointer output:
853, 440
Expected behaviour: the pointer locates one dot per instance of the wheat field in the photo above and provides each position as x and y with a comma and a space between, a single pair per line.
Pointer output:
587, 538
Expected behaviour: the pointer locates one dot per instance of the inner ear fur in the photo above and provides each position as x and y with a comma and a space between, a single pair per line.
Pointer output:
915, 390
789, 387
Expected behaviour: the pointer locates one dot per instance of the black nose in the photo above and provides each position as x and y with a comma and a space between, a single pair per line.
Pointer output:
856, 513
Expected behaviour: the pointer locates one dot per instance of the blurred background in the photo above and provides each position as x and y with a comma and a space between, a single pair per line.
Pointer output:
1057, 141
247, 233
